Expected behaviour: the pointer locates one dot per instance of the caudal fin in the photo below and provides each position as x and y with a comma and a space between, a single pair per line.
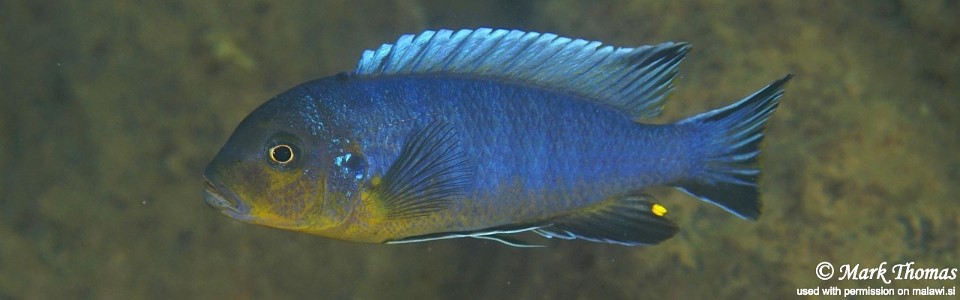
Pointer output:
730, 143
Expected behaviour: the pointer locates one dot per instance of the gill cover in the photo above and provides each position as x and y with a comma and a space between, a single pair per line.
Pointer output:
287, 170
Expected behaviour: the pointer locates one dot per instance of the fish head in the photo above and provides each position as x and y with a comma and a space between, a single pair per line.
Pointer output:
285, 167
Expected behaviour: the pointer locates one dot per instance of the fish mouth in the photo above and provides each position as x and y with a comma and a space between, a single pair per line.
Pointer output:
223, 199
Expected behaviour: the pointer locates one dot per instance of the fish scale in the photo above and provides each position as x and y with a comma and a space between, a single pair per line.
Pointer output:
487, 133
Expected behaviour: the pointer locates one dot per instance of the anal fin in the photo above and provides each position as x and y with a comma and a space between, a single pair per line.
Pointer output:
630, 220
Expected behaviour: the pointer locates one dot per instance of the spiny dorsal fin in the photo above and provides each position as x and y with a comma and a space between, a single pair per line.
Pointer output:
627, 220
636, 80
430, 172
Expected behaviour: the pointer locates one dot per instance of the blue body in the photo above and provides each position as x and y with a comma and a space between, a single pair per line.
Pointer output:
481, 133
537, 153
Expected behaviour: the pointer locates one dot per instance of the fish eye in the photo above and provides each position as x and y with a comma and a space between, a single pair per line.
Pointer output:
282, 151
281, 154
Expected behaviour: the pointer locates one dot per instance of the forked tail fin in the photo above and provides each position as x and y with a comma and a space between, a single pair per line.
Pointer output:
730, 145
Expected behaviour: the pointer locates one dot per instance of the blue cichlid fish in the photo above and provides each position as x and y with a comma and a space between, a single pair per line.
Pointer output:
486, 133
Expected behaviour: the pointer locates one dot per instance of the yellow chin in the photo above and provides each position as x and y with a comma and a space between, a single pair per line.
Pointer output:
273, 220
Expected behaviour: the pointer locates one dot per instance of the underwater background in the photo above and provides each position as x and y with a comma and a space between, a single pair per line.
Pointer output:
110, 109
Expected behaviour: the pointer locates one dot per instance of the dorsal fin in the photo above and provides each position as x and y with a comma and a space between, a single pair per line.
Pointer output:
635, 80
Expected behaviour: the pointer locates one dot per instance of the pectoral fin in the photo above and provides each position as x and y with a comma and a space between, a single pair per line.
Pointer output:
627, 220
430, 172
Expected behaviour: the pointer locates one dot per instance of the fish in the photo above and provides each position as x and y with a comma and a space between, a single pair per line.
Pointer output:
495, 134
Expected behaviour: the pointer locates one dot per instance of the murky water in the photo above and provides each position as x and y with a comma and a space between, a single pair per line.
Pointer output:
109, 110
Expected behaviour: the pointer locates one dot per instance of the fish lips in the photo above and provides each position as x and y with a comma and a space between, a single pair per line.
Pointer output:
225, 200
